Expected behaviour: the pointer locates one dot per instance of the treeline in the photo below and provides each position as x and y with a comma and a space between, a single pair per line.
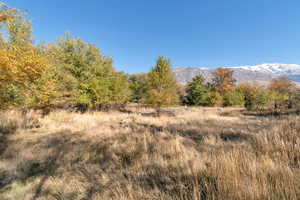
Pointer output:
281, 93
68, 72
75, 73
222, 91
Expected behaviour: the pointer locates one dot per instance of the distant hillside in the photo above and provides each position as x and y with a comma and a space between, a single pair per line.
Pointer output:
259, 74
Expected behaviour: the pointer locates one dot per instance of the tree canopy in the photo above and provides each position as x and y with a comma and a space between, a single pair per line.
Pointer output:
161, 84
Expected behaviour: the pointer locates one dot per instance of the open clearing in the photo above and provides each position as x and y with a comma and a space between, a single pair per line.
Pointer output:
199, 153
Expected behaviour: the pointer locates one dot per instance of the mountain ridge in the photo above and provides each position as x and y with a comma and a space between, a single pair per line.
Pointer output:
261, 74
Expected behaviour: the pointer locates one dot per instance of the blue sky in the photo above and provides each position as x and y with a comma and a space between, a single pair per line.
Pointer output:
198, 33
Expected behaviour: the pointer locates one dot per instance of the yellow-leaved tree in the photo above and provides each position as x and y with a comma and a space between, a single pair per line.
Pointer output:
282, 90
161, 85
87, 77
22, 64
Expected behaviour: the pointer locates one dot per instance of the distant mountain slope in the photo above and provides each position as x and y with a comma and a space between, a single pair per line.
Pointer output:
259, 73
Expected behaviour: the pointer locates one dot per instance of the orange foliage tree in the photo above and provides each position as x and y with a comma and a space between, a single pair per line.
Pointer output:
223, 80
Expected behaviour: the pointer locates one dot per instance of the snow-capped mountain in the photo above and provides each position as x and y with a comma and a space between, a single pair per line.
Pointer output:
262, 73
274, 68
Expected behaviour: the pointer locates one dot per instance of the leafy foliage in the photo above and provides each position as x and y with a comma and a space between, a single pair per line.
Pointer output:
137, 84
69, 71
86, 76
254, 96
282, 90
197, 92
74, 72
21, 63
223, 80
161, 85
233, 98
215, 99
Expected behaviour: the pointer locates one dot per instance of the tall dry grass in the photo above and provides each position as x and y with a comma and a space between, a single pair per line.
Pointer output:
199, 153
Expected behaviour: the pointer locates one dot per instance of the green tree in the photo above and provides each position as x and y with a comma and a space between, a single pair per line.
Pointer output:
234, 98
120, 89
137, 84
254, 96
86, 76
282, 89
44, 90
215, 99
161, 85
197, 92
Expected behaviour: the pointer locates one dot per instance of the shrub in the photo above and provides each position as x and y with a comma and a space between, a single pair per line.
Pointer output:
215, 99
234, 98
254, 96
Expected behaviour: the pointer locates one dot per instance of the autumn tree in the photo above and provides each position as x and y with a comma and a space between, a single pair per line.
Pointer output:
215, 99
161, 85
120, 89
86, 76
233, 98
282, 90
21, 63
254, 96
69, 71
223, 80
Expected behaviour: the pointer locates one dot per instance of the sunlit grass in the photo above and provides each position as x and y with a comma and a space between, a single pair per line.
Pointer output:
200, 153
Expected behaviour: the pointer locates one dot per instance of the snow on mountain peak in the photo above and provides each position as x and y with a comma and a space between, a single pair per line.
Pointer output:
258, 73
274, 68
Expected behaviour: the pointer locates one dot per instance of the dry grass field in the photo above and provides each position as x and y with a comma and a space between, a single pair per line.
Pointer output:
197, 153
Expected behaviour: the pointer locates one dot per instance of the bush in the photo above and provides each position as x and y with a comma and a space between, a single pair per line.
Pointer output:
254, 96
234, 98
215, 99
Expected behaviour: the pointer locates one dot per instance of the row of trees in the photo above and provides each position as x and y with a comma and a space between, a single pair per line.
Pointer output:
68, 72
222, 91
73, 72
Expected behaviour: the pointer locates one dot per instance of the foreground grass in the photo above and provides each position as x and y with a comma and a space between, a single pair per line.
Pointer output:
200, 153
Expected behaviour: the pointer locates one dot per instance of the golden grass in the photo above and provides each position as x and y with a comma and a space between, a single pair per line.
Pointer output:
200, 153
